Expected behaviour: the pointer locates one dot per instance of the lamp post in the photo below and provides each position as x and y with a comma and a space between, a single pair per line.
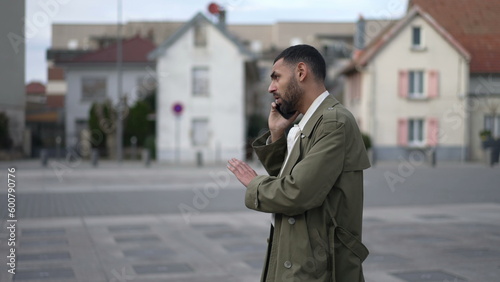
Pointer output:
119, 54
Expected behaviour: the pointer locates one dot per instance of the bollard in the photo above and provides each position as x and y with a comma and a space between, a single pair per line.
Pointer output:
95, 157
44, 157
133, 151
58, 147
199, 159
146, 157
433, 157
495, 155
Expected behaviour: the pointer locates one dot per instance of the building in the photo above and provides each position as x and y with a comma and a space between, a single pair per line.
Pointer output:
44, 121
93, 77
475, 26
412, 87
206, 71
263, 42
12, 56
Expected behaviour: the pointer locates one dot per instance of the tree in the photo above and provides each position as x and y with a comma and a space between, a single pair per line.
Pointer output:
137, 123
102, 120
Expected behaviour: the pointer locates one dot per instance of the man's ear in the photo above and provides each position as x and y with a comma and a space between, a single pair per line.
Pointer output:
302, 71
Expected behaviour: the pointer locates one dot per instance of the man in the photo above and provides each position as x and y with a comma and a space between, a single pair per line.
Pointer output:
315, 185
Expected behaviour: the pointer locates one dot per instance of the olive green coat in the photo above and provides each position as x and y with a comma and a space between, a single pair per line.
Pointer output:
318, 199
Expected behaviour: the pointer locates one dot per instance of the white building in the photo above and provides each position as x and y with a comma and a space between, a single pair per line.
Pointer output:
408, 90
93, 77
207, 71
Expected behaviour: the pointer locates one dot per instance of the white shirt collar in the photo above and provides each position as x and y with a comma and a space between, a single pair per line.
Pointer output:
314, 106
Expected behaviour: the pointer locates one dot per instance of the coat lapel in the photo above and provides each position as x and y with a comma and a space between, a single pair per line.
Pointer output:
306, 133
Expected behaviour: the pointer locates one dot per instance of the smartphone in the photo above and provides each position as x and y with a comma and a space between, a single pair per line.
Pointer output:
287, 115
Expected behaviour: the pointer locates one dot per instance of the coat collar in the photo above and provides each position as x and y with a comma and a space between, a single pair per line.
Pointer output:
329, 101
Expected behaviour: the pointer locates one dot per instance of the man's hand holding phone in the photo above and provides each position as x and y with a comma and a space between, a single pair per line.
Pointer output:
278, 122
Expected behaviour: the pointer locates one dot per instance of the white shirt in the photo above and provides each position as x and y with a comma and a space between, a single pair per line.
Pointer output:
295, 131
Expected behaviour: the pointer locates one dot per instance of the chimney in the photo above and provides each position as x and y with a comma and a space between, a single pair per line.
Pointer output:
222, 18
359, 37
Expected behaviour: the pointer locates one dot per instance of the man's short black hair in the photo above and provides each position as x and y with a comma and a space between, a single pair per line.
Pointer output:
307, 54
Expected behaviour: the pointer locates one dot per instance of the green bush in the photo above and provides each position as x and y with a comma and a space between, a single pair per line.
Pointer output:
485, 134
255, 124
137, 124
101, 121
367, 140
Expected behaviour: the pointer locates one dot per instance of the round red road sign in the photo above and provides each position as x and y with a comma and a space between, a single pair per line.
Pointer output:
177, 108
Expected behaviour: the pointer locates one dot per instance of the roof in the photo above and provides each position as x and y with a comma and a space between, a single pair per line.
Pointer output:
35, 88
363, 57
473, 23
198, 18
134, 50
55, 101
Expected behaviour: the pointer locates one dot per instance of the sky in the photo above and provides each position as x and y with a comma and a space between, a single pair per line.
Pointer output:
41, 14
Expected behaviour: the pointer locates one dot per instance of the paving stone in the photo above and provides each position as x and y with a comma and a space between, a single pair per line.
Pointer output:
480, 227
255, 263
140, 238
149, 252
211, 227
476, 253
45, 256
372, 219
162, 268
224, 234
50, 274
385, 258
128, 228
428, 276
245, 247
435, 216
429, 239
43, 231
43, 242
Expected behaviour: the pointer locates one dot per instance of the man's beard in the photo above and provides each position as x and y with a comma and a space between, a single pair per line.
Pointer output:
293, 93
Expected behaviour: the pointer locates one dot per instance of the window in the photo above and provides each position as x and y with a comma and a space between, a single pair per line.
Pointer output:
492, 123
200, 81
200, 35
416, 84
416, 38
93, 88
415, 132
200, 132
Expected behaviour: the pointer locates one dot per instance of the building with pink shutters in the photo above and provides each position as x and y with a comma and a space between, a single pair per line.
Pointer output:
411, 88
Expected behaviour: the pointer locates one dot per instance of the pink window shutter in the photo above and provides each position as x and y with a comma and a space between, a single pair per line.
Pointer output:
433, 90
402, 132
403, 83
432, 132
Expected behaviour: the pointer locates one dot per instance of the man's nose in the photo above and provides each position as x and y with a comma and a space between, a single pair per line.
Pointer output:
272, 88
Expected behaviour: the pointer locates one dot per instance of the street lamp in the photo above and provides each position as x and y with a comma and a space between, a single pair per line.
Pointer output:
119, 54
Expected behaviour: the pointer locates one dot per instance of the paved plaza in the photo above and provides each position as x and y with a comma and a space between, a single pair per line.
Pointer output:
128, 222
